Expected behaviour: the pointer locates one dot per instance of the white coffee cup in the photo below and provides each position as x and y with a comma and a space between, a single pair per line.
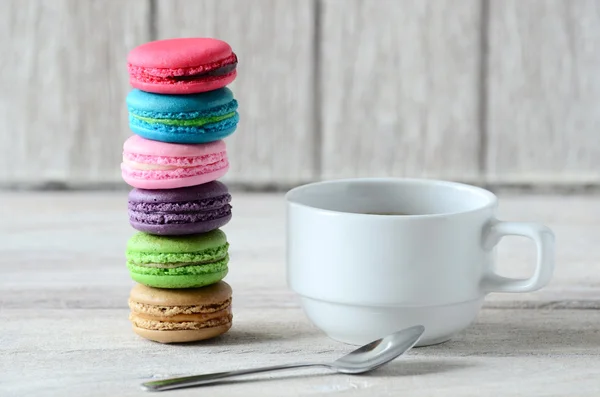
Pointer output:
361, 276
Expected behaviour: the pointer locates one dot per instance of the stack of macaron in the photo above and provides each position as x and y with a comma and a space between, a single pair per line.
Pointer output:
180, 110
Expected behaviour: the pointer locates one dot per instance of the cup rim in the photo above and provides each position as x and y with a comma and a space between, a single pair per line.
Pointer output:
492, 199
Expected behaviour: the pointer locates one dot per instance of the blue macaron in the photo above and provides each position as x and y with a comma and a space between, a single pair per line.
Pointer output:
197, 118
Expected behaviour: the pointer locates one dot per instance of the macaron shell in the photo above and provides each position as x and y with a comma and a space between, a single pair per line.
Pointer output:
181, 229
147, 243
154, 183
141, 101
217, 132
215, 294
182, 336
138, 145
185, 87
179, 52
195, 193
181, 281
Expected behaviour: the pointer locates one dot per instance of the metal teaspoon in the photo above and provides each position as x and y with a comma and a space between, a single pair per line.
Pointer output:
366, 358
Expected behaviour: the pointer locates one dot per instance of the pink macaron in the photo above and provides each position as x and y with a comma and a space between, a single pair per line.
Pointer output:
182, 66
151, 164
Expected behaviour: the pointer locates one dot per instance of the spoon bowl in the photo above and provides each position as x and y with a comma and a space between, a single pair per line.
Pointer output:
377, 353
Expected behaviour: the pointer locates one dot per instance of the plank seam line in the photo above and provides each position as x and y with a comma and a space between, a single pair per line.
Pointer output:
152, 20
484, 36
317, 125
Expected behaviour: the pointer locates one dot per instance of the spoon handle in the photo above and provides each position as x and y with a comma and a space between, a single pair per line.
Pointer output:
198, 380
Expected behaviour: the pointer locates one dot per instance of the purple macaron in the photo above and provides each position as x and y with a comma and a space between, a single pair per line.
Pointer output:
186, 210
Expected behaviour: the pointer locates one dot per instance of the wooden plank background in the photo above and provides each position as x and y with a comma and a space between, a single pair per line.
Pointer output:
484, 91
399, 88
63, 83
544, 91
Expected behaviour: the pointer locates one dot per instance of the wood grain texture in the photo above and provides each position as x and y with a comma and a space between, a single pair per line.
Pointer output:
543, 91
63, 82
64, 327
399, 88
274, 142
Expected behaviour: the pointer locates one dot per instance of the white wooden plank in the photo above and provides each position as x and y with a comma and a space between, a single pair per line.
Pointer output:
274, 142
64, 327
64, 81
399, 88
95, 353
543, 91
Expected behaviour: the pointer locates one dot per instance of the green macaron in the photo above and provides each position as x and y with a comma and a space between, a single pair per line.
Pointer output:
187, 261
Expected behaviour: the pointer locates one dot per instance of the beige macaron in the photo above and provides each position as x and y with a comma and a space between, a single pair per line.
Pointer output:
180, 315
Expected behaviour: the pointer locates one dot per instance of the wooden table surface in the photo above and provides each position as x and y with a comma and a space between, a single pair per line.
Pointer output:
64, 329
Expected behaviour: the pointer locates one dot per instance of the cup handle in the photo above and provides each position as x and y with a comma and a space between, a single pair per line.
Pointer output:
543, 238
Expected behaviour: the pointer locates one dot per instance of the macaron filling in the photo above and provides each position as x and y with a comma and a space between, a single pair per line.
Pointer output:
197, 122
142, 160
184, 270
145, 309
222, 71
200, 131
205, 204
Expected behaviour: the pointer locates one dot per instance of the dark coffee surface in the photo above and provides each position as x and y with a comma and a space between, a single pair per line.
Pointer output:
386, 213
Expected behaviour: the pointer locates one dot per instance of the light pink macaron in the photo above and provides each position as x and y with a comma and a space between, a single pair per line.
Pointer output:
151, 164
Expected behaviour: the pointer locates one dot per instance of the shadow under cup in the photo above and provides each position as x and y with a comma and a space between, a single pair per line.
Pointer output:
362, 273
